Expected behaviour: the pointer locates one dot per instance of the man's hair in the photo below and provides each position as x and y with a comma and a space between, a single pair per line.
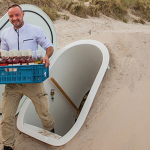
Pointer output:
14, 5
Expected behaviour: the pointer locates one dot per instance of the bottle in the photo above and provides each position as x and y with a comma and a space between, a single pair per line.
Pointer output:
16, 60
2, 59
23, 58
6, 55
39, 57
26, 54
34, 56
6, 58
3, 54
10, 60
19, 55
30, 60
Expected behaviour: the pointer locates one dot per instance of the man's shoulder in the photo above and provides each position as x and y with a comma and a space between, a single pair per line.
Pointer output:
33, 27
7, 30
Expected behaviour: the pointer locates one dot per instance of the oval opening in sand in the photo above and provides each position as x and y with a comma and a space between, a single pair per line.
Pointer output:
76, 69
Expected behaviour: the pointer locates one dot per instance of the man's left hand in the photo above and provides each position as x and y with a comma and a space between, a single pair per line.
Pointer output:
46, 61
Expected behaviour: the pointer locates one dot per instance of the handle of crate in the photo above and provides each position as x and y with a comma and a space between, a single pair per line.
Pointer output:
63, 92
9, 68
4, 67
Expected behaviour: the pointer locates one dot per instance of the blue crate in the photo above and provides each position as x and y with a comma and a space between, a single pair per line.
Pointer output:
25, 74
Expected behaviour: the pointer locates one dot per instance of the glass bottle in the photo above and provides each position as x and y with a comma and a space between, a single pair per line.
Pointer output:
39, 57
6, 55
30, 60
34, 56
2, 59
23, 58
6, 58
19, 55
26, 54
16, 60
10, 60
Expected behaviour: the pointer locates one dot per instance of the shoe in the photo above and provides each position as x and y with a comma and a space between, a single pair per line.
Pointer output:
53, 130
7, 148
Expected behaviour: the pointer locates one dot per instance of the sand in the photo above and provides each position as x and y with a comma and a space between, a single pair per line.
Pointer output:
119, 118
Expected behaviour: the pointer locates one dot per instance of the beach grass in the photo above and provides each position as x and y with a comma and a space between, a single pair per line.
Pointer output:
117, 9
48, 6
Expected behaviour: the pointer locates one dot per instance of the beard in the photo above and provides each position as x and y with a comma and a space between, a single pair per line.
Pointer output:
17, 23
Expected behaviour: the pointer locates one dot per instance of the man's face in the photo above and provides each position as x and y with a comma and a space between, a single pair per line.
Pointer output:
16, 17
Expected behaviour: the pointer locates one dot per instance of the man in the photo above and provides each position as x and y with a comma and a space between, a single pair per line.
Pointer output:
23, 36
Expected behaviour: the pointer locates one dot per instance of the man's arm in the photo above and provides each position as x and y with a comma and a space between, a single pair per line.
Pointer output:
49, 53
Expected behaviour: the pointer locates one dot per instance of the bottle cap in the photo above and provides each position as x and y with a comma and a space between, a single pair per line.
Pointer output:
19, 53
3, 53
26, 53
22, 52
29, 52
14, 53
6, 54
11, 53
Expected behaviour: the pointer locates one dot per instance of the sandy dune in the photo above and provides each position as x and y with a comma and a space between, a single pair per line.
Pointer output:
120, 115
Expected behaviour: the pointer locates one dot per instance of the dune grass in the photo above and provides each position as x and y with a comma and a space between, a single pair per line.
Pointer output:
48, 6
117, 9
